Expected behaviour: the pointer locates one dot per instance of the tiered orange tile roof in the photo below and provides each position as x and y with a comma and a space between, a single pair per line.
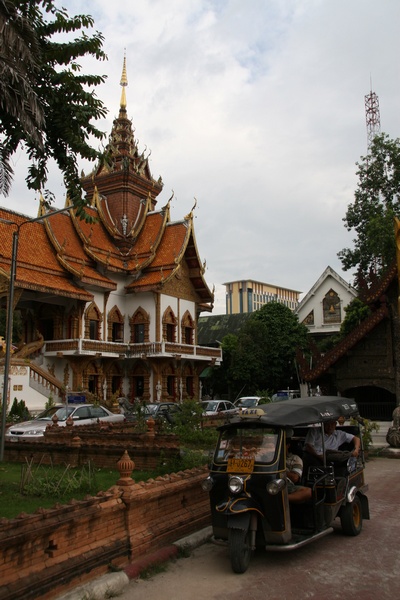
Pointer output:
124, 232
37, 267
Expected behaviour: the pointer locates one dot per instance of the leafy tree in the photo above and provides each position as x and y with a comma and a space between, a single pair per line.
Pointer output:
266, 347
45, 102
356, 312
371, 215
222, 381
19, 411
18, 65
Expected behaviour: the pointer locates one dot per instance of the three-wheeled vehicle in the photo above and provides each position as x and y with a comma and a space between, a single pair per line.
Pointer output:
247, 483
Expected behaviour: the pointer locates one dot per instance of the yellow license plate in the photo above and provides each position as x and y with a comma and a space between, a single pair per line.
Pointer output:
240, 465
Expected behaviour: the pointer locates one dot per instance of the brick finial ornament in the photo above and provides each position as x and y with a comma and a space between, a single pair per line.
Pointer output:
125, 466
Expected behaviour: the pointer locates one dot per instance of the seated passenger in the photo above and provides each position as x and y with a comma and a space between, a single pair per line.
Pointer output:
294, 470
333, 439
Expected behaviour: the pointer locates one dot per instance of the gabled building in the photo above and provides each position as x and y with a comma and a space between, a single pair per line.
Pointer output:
109, 305
322, 308
365, 364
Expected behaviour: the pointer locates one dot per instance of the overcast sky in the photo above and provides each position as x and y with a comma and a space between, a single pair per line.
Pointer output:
255, 108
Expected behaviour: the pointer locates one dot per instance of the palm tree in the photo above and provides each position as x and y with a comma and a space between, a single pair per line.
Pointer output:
18, 101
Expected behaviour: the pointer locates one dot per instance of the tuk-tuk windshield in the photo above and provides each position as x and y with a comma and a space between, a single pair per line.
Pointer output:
258, 444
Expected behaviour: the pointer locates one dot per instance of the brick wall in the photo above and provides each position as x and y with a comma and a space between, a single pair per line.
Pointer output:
52, 550
102, 445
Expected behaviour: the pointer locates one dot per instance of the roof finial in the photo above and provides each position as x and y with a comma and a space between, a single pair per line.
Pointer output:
123, 84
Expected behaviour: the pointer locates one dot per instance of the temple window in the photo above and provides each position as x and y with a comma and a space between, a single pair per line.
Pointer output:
140, 325
169, 326
115, 325
138, 330
138, 383
309, 320
171, 385
93, 320
187, 327
170, 329
93, 329
331, 308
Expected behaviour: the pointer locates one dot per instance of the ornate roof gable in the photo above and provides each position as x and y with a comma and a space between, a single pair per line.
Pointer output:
176, 254
121, 186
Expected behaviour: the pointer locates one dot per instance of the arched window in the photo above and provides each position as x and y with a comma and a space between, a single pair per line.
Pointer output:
331, 308
187, 328
115, 331
169, 325
140, 382
91, 380
93, 320
139, 324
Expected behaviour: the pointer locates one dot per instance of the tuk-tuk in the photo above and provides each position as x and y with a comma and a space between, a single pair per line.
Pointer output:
247, 482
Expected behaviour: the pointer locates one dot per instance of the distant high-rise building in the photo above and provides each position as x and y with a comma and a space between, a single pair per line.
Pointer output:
246, 296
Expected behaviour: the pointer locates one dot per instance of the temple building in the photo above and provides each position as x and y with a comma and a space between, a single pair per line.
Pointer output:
109, 305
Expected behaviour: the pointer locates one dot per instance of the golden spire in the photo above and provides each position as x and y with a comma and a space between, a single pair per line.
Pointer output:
123, 84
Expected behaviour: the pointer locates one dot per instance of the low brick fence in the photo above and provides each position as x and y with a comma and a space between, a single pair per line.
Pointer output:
53, 550
101, 444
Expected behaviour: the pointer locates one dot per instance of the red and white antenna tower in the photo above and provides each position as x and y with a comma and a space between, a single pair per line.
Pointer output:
372, 116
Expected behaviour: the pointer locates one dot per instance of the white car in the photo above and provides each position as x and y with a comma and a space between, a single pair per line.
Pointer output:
250, 401
285, 395
217, 407
82, 414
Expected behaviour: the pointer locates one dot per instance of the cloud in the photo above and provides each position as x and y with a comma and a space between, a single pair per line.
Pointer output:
257, 110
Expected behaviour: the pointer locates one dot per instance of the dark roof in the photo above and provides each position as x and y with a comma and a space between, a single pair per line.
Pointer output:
212, 329
303, 411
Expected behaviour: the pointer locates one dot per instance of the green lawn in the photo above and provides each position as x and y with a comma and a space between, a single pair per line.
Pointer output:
51, 485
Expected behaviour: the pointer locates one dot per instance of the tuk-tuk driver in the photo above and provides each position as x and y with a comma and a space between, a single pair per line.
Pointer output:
294, 470
333, 439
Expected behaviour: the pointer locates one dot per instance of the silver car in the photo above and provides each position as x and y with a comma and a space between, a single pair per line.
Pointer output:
217, 407
82, 414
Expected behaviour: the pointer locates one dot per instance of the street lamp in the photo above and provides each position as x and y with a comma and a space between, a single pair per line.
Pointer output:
10, 313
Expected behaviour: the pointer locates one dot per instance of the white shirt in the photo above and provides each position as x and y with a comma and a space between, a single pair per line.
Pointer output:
332, 442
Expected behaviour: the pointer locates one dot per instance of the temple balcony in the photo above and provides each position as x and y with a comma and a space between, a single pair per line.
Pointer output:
98, 348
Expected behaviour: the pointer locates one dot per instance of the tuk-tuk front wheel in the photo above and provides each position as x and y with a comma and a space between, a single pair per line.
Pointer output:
351, 517
239, 549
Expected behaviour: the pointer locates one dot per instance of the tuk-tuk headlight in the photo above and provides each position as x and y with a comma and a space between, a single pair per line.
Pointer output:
235, 484
351, 494
274, 487
207, 484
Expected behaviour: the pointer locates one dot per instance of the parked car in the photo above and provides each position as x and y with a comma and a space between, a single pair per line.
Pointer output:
157, 410
250, 401
285, 395
82, 414
216, 407
163, 410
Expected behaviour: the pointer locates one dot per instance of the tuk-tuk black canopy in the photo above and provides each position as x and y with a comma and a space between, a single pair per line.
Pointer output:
305, 411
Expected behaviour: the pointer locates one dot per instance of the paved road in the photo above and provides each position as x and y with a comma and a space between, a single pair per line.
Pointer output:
366, 567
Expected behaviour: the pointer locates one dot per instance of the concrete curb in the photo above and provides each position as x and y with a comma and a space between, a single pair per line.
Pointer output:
113, 584
107, 586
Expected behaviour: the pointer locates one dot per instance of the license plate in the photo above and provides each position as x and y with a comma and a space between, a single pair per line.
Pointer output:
240, 465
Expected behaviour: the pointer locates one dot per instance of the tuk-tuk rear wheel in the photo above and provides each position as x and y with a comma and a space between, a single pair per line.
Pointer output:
239, 549
351, 517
